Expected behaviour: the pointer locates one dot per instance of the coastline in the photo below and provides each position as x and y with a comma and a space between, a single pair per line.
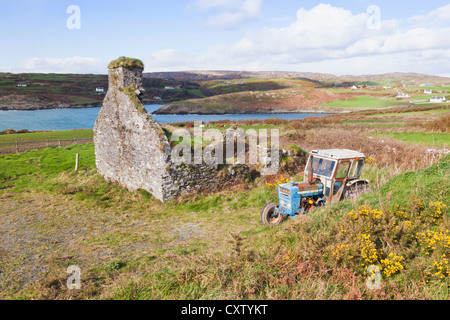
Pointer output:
32, 107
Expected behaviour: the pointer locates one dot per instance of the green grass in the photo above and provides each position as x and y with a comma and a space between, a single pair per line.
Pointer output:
422, 138
35, 169
362, 102
197, 92
47, 135
430, 183
131, 246
422, 97
437, 89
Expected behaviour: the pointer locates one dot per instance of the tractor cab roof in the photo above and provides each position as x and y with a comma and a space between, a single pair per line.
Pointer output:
338, 153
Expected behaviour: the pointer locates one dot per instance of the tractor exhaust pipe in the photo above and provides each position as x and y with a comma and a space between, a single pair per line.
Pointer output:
310, 169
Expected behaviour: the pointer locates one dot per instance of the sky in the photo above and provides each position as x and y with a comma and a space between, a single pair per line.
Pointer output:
338, 37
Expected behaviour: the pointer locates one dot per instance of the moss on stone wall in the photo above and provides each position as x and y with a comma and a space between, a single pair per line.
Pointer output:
129, 63
130, 91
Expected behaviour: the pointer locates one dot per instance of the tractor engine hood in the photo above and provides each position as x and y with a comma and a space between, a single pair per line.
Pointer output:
306, 189
303, 189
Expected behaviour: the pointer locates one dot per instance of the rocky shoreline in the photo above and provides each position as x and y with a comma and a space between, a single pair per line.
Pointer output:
32, 107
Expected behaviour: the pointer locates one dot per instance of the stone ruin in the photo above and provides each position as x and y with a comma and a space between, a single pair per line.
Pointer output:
132, 149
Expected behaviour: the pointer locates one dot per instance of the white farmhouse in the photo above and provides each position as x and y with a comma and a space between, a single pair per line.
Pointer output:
438, 99
428, 91
99, 89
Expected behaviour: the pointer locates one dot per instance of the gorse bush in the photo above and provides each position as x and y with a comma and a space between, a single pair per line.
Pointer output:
440, 125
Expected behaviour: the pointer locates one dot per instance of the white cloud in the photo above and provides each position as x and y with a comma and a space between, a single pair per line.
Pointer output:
436, 17
228, 13
64, 65
333, 40
320, 33
323, 39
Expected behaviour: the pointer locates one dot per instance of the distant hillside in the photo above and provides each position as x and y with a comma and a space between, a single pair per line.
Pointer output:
417, 78
31, 91
290, 100
196, 75
221, 74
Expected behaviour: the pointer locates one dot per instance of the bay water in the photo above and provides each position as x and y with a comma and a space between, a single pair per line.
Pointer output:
67, 119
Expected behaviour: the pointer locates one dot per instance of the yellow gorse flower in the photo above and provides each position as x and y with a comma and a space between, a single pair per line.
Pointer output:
371, 160
367, 249
431, 240
442, 267
279, 181
392, 264
437, 210
365, 212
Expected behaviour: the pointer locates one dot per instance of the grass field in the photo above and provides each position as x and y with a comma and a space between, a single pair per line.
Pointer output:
197, 93
428, 139
362, 102
46, 135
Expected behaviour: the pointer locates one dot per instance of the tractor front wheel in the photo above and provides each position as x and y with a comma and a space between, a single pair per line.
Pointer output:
270, 216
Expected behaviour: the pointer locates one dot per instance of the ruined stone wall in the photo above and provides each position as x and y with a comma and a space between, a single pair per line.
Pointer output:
132, 149
193, 178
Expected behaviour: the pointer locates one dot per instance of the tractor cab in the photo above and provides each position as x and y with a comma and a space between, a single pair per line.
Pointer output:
336, 170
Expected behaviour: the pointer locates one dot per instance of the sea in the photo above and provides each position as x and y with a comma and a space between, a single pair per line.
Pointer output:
84, 118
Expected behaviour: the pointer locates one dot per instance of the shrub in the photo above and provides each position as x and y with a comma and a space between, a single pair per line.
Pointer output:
440, 125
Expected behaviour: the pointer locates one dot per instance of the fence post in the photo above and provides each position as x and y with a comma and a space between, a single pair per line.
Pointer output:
76, 162
17, 147
59, 142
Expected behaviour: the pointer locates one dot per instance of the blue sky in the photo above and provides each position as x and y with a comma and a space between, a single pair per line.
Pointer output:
339, 37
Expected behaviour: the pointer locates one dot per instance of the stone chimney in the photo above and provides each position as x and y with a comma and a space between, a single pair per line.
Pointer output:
126, 72
130, 147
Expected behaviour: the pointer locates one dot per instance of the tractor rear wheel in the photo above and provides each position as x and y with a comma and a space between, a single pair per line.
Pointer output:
354, 191
271, 217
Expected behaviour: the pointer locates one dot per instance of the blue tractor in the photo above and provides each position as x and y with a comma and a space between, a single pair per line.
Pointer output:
330, 175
